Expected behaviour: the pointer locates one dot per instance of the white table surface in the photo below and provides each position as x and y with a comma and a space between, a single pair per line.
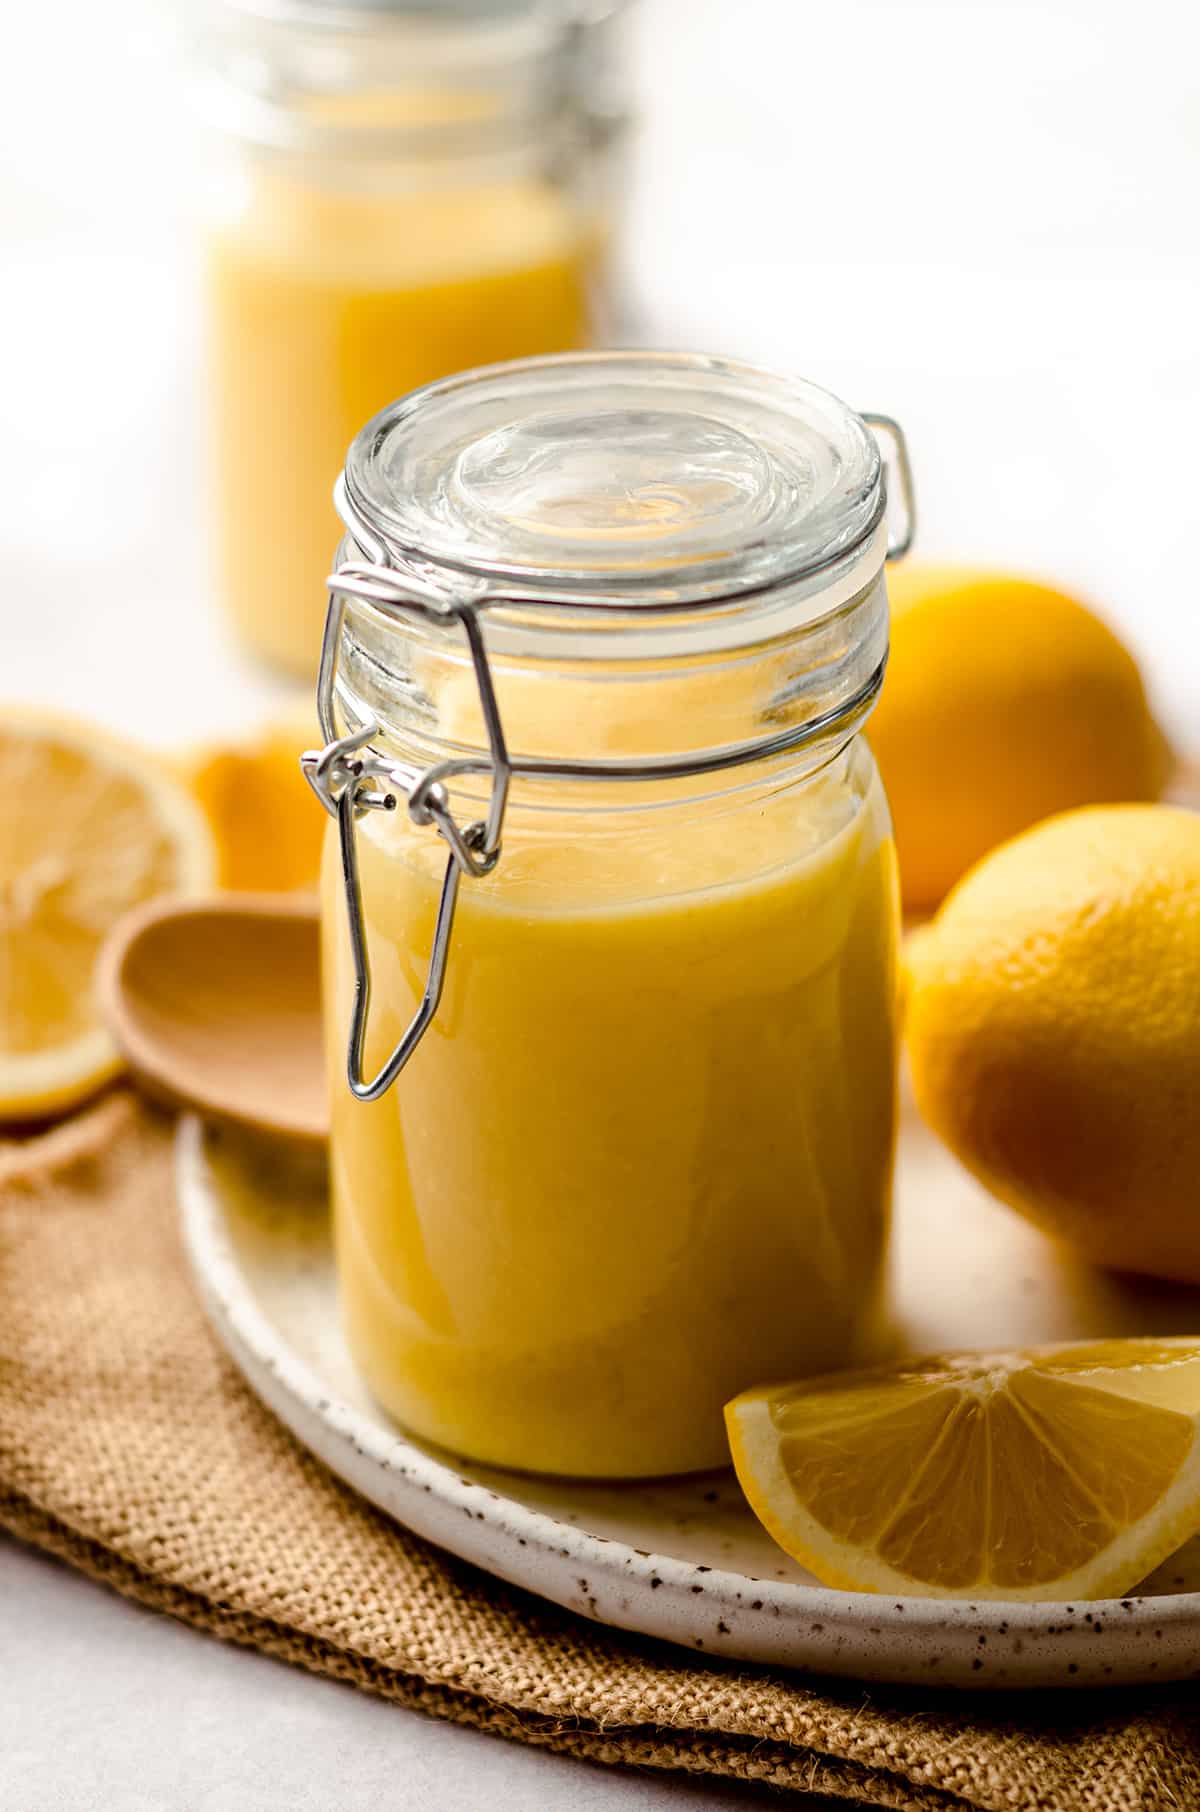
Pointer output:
978, 217
106, 1707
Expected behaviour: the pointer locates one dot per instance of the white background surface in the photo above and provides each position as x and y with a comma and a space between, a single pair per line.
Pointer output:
978, 215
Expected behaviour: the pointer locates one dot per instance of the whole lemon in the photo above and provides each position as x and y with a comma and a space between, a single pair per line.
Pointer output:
1004, 701
1053, 1025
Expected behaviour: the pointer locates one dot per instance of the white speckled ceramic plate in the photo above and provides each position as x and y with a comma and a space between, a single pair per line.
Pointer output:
685, 1560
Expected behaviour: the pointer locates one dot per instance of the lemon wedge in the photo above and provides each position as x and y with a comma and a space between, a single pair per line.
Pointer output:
89, 826
267, 826
1058, 1472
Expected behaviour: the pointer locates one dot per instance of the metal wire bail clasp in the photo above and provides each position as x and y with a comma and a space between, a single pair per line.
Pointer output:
898, 471
345, 775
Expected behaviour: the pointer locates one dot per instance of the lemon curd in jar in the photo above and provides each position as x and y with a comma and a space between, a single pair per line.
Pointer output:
404, 191
642, 1157
324, 304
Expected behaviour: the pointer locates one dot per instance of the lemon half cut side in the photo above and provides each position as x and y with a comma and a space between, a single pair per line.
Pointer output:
89, 826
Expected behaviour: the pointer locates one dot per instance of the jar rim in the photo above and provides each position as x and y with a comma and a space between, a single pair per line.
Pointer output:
623, 482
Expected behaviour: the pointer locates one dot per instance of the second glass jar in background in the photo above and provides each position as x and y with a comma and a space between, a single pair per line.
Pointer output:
640, 1157
408, 190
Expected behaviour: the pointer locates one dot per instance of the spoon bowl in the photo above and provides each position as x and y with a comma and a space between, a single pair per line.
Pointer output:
215, 1005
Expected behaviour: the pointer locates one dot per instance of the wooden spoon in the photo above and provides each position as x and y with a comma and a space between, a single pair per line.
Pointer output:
215, 1006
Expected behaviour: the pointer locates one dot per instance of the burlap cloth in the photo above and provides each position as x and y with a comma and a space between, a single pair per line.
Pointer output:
130, 1447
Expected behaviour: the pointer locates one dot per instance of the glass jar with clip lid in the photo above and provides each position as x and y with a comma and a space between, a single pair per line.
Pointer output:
399, 189
610, 907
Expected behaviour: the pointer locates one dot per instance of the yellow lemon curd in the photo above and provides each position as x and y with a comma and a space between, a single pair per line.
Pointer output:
643, 1157
326, 302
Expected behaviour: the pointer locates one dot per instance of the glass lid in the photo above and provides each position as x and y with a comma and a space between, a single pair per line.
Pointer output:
642, 475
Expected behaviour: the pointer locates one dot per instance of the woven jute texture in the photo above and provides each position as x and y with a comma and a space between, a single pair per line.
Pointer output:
130, 1447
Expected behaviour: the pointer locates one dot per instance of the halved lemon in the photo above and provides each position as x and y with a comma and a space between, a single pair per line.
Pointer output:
1056, 1472
89, 826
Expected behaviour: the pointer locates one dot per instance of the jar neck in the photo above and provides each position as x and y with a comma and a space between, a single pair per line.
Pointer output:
772, 691
373, 86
